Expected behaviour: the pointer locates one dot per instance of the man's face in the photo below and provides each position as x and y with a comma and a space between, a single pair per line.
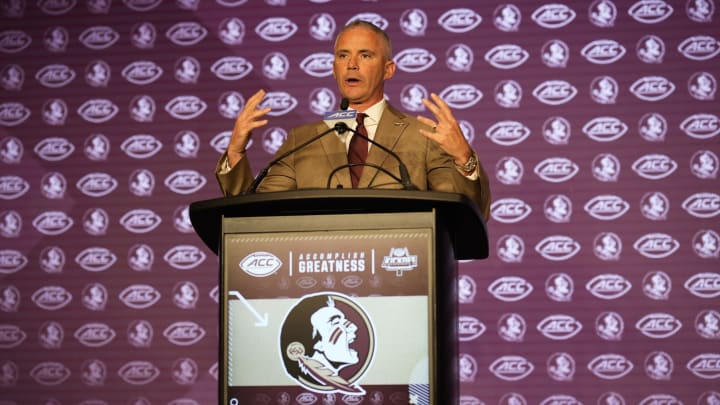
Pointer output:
361, 67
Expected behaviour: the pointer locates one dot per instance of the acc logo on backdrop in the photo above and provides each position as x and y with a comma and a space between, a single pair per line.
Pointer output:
658, 325
654, 166
414, 60
184, 257
459, 20
13, 187
610, 366
508, 133
510, 210
511, 368
510, 288
185, 107
506, 56
333, 350
13, 41
55, 75
701, 126
12, 114
318, 64
553, 16
603, 51
186, 33
699, 47
608, 286
99, 37
559, 327
276, 29
231, 68
554, 92
650, 11
138, 372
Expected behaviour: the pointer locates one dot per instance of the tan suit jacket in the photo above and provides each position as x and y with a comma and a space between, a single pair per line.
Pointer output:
429, 166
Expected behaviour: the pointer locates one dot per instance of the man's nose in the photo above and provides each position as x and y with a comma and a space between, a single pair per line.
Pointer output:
352, 63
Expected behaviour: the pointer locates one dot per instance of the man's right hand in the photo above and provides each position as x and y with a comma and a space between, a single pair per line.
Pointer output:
250, 118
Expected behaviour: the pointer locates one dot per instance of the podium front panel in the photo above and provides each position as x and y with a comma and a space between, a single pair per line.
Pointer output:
324, 307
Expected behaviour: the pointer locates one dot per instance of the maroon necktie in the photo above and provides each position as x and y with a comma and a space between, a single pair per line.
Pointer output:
358, 150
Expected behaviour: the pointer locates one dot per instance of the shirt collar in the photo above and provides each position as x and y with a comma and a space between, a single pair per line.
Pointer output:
374, 113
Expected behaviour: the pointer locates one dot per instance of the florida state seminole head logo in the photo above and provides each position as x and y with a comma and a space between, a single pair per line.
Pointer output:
327, 343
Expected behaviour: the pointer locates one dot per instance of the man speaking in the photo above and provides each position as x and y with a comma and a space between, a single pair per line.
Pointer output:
436, 154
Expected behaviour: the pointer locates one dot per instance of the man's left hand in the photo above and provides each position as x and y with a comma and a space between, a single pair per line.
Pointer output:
445, 130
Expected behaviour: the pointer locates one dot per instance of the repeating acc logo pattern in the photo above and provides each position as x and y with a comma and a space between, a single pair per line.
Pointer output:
600, 126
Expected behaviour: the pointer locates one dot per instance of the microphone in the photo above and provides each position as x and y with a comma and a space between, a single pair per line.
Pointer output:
404, 179
333, 119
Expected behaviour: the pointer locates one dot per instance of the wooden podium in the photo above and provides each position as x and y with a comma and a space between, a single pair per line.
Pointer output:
329, 294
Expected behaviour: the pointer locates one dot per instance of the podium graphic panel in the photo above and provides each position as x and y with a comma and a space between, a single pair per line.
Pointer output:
328, 306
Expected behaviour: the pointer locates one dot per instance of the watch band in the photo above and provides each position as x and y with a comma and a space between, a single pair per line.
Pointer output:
469, 166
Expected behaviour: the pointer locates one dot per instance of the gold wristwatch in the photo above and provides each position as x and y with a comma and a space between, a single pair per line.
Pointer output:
469, 166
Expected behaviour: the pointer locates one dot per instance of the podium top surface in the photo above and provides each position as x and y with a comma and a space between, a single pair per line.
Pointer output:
457, 212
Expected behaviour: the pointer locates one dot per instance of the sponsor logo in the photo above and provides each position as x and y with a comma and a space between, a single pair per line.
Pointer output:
560, 399
652, 88
185, 181
605, 129
95, 297
556, 169
99, 37
276, 29
51, 298
459, 20
142, 5
94, 334
231, 68
511, 368
506, 56
184, 257
508, 133
699, 47
414, 60
185, 295
13, 41
11, 336
654, 166
142, 183
275, 66
560, 287
13, 187
184, 333
508, 94
665, 399
510, 288
704, 285
468, 368
607, 246
558, 208
55, 76
561, 367
186, 33
603, 51
470, 328
322, 26
610, 366
95, 259
510, 210
559, 327
553, 16
10, 224
608, 286
138, 372
11, 261
374, 18
142, 72
97, 184
139, 296
606, 167
705, 366
185, 107
461, 96
141, 146
604, 90
656, 245
658, 325
140, 220
606, 207
399, 260
701, 126
281, 103
260, 264
13, 114
50, 373
650, 11
702, 205
52, 222
554, 92
657, 285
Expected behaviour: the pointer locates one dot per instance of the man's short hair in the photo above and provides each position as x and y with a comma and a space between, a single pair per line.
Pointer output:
374, 28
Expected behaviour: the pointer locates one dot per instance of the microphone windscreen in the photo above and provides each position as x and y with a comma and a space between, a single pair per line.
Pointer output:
344, 103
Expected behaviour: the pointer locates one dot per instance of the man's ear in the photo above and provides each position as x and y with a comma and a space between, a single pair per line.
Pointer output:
389, 69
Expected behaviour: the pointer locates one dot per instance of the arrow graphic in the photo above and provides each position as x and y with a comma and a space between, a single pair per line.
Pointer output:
262, 320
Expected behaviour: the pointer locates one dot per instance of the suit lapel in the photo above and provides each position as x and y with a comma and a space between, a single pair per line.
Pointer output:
391, 126
335, 154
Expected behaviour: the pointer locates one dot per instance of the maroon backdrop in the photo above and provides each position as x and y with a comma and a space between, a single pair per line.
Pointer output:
596, 121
